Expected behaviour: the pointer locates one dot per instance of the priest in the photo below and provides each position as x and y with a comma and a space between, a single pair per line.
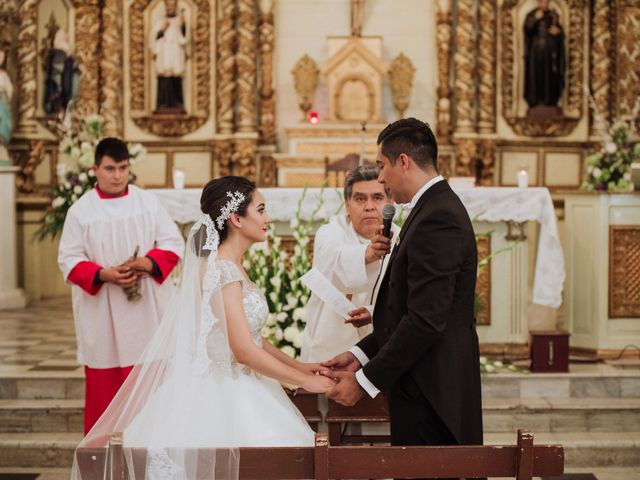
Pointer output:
351, 252
118, 295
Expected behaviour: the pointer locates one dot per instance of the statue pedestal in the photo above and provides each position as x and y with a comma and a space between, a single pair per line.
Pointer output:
10, 295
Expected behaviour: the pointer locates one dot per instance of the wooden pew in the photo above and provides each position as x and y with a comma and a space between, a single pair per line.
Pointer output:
368, 410
322, 462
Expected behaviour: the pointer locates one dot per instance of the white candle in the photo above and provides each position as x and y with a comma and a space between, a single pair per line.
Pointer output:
178, 178
523, 178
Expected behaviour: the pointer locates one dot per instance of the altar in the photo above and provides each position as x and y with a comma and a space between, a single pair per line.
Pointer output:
499, 216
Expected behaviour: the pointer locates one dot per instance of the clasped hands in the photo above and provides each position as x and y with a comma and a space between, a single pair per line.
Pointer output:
127, 274
341, 370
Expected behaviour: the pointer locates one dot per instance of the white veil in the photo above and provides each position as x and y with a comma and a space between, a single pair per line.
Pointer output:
153, 408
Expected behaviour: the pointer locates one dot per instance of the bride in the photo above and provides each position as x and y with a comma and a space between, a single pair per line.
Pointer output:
208, 382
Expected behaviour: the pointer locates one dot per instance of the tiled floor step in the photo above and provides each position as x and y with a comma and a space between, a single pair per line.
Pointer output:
69, 386
582, 450
24, 416
562, 414
586, 449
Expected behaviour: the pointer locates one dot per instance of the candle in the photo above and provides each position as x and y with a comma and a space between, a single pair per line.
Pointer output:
523, 177
178, 178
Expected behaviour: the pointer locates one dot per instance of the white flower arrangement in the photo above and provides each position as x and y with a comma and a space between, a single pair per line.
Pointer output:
74, 170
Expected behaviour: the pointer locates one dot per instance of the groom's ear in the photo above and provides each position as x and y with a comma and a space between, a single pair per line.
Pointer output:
235, 220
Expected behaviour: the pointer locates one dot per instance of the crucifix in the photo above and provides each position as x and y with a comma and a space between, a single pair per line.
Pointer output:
357, 13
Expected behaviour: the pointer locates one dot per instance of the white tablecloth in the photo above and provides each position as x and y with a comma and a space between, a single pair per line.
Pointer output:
492, 204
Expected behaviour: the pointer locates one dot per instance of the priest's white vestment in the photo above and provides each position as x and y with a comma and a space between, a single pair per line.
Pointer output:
112, 331
339, 253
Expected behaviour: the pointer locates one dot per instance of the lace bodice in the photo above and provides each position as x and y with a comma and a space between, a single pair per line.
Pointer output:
253, 301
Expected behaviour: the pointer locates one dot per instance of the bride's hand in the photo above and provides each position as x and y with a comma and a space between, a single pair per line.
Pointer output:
313, 368
318, 384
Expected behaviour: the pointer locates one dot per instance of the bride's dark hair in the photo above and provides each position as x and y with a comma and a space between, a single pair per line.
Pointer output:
214, 198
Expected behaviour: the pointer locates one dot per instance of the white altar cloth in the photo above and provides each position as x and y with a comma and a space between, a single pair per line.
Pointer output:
489, 204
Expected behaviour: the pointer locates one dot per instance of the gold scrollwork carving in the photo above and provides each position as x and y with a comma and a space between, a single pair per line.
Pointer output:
222, 154
305, 80
487, 67
111, 67
244, 157
627, 57
443, 34
87, 41
401, 73
601, 71
169, 125
543, 126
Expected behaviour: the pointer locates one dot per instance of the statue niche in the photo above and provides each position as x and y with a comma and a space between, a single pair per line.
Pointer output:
354, 75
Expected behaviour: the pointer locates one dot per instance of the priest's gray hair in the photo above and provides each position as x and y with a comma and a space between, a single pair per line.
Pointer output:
363, 173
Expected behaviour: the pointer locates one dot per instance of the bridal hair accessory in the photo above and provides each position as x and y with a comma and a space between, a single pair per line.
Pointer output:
232, 205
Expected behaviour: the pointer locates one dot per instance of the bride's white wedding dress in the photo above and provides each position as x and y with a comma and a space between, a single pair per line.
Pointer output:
245, 409
188, 405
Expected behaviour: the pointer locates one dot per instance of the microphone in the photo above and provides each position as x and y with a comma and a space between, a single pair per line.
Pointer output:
388, 212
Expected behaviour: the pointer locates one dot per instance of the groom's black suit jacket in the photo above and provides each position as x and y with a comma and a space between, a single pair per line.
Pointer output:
423, 320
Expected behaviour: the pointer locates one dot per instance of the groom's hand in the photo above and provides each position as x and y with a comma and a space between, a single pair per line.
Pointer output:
348, 391
345, 361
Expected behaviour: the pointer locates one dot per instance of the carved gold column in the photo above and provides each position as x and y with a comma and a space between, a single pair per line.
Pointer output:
87, 42
487, 52
627, 50
225, 65
27, 64
465, 65
601, 66
111, 67
246, 62
222, 155
267, 97
443, 35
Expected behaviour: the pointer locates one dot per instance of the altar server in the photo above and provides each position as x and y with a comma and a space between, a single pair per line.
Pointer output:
351, 252
118, 247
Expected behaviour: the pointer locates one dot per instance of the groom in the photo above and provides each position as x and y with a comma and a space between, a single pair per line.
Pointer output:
423, 352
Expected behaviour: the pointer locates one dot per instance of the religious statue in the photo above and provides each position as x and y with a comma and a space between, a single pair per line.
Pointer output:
6, 122
357, 13
169, 40
544, 57
61, 75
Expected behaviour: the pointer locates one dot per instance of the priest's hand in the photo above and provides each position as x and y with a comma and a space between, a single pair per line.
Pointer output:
359, 317
345, 361
378, 248
121, 275
141, 266
348, 391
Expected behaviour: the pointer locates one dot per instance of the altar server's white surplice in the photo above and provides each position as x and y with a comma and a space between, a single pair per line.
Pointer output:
339, 253
112, 331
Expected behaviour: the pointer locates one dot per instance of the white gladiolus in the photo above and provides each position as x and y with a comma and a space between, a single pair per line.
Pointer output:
57, 202
297, 342
77, 189
597, 172
299, 314
281, 317
489, 368
83, 177
289, 351
273, 296
290, 333
66, 185
91, 173
276, 282
611, 148
271, 319
279, 334
74, 198
86, 160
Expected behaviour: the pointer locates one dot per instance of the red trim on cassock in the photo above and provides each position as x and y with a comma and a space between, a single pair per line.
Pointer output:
101, 385
106, 196
166, 261
83, 275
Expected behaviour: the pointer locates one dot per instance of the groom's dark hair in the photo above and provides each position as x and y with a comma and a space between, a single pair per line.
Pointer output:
413, 138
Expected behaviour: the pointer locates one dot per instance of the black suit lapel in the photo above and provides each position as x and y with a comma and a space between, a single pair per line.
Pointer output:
441, 186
